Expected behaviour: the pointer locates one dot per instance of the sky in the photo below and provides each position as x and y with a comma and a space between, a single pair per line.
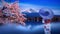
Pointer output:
54, 4
50, 3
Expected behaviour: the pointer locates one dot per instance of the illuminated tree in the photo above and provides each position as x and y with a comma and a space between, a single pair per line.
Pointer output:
13, 13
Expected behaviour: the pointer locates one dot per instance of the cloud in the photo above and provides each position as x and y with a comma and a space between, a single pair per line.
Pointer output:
38, 7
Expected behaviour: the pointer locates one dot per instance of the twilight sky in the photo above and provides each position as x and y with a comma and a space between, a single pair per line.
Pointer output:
53, 4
